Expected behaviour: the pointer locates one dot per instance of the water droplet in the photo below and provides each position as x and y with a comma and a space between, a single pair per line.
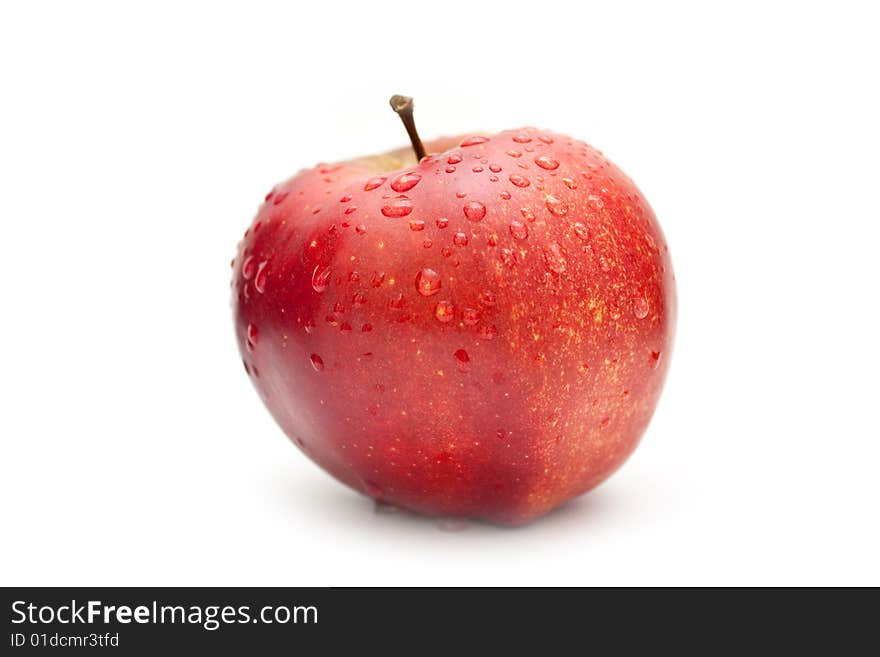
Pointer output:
346, 198
492, 239
405, 181
475, 211
522, 138
396, 301
248, 267
640, 308
557, 207
416, 225
571, 184
377, 279
444, 311
546, 162
555, 260
317, 362
454, 158
462, 359
508, 257
345, 328
460, 194
514, 153
397, 207
494, 168
427, 243
359, 299
493, 178
321, 278
546, 139
428, 282
261, 278
581, 230
518, 180
460, 239
477, 169
450, 169
351, 209
373, 183
527, 214
354, 277
279, 198
473, 141
251, 337
519, 230
442, 222
366, 328
654, 359
505, 195
360, 229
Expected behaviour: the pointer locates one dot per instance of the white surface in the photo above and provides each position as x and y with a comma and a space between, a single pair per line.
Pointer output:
135, 145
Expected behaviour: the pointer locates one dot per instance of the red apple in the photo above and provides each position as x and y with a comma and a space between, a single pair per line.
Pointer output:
482, 333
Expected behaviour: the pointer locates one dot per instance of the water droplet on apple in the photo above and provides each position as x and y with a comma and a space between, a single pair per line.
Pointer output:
450, 169
405, 181
345, 199
359, 299
444, 311
360, 229
470, 316
475, 211
351, 209
442, 222
321, 278
554, 259
252, 334
366, 328
428, 282
279, 198
462, 359
546, 162
397, 207
397, 302
581, 230
477, 169
261, 277
248, 267
654, 359
373, 183
494, 168
519, 230
317, 362
416, 225
527, 214
557, 207
460, 239
571, 184
514, 153
518, 180
454, 158
377, 279
522, 138
640, 308
473, 141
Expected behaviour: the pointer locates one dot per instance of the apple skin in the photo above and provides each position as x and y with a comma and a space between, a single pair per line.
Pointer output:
483, 334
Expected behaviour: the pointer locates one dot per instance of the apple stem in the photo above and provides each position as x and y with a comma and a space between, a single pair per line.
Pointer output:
403, 105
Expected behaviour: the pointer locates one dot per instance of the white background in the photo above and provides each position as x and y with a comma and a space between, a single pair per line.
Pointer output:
136, 143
